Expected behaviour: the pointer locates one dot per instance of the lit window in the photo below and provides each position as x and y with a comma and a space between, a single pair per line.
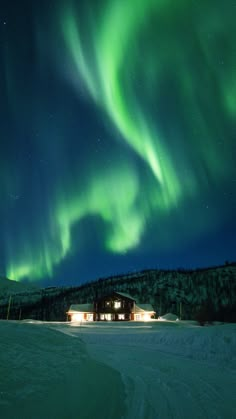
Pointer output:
121, 316
146, 317
77, 317
106, 316
117, 304
90, 317
108, 303
137, 317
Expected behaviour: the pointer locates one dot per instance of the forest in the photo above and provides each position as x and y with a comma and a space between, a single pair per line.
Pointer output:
201, 294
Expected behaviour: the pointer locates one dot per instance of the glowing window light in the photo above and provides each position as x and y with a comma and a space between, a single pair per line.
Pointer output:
117, 304
146, 317
106, 316
77, 317
121, 316
143, 317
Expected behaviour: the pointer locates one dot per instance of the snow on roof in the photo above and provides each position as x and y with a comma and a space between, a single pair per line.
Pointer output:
123, 294
143, 307
84, 308
169, 316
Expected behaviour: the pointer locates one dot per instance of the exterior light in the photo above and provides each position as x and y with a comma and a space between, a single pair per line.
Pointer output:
77, 317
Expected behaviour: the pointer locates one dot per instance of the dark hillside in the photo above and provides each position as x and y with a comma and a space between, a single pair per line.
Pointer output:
188, 293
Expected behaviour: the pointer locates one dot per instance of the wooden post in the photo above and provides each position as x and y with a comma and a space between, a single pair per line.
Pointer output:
8, 309
20, 314
180, 310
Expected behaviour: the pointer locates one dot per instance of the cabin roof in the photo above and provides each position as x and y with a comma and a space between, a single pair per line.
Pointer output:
143, 307
116, 294
123, 294
84, 308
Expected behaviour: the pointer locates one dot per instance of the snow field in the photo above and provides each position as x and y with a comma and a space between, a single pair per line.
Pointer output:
154, 370
169, 369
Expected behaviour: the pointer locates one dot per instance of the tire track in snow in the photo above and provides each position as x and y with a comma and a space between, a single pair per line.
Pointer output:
164, 385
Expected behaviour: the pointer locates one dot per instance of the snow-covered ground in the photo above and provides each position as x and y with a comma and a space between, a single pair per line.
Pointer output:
117, 370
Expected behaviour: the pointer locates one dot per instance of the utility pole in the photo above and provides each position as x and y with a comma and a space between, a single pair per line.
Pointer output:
9, 306
160, 306
180, 310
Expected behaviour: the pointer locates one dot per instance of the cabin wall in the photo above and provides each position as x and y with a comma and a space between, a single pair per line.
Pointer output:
114, 308
145, 316
80, 317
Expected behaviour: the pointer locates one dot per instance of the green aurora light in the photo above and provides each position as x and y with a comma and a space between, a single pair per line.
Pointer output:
162, 76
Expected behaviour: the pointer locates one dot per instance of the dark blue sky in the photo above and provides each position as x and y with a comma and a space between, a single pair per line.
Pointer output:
117, 146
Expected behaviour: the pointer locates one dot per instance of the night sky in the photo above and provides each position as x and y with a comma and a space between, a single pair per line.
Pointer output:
117, 137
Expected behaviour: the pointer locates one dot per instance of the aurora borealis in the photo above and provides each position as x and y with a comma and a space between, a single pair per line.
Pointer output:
118, 137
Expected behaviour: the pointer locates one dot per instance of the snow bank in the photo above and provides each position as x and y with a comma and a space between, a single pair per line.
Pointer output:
168, 316
45, 374
214, 344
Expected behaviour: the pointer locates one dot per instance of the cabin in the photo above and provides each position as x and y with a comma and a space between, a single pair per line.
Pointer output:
117, 306
80, 313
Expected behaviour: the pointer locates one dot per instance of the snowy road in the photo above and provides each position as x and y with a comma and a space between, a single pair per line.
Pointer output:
111, 371
169, 370
165, 386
